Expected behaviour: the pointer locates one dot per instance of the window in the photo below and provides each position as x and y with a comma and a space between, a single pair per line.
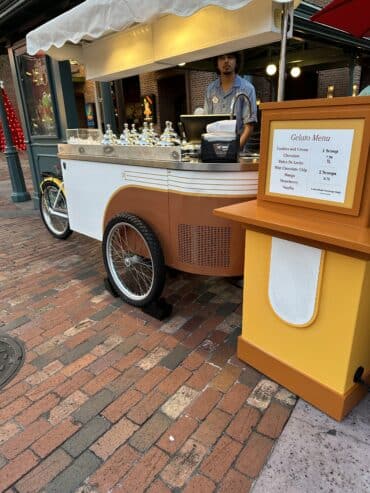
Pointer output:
37, 95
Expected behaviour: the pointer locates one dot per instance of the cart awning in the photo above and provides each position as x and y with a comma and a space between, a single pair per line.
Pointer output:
118, 38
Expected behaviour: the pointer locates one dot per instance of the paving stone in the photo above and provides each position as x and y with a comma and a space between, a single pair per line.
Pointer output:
67, 407
226, 309
183, 464
179, 401
143, 473
146, 407
114, 438
235, 481
244, 422
273, 420
202, 484
17, 468
175, 357
101, 314
44, 294
204, 403
250, 377
81, 276
94, 406
177, 434
222, 456
44, 473
122, 383
75, 474
14, 324
234, 399
254, 455
122, 405
55, 437
81, 440
153, 358
286, 397
114, 468
205, 298
147, 434
129, 343
174, 324
82, 349
212, 427
262, 394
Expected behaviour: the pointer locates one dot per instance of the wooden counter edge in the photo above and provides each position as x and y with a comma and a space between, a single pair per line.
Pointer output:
328, 236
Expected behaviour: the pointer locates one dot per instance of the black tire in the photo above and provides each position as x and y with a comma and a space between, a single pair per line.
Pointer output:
138, 273
57, 226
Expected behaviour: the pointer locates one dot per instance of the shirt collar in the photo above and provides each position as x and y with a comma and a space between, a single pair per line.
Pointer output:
237, 81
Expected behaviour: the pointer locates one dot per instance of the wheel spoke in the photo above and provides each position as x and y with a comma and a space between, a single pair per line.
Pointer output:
132, 272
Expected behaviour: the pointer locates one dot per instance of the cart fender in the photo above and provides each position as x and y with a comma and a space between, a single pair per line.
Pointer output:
53, 179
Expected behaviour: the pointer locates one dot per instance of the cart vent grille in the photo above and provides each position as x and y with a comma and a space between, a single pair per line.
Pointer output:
204, 245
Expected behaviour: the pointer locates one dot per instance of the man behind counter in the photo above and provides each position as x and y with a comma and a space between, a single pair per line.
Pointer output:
221, 92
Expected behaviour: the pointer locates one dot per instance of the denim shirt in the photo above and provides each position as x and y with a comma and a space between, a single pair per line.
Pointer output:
219, 102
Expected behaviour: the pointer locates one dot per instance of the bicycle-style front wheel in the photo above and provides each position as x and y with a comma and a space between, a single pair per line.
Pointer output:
53, 209
133, 260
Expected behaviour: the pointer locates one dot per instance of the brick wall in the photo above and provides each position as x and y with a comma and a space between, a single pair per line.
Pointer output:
6, 76
198, 82
339, 78
148, 85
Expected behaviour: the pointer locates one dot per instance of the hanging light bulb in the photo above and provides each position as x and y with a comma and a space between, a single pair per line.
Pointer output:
295, 72
271, 69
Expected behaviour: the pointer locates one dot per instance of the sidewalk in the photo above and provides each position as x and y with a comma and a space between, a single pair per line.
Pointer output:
110, 399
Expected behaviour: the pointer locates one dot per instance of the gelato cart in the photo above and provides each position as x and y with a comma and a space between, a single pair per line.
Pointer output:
148, 205
151, 209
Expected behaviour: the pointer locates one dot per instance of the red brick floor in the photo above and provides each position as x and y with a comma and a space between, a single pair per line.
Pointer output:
110, 399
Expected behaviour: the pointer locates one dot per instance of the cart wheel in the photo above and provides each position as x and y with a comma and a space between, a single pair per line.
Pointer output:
133, 259
53, 209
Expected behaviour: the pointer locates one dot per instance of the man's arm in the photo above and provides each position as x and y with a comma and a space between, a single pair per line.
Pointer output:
247, 130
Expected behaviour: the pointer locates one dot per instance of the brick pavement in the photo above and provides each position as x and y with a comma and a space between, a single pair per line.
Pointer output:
110, 399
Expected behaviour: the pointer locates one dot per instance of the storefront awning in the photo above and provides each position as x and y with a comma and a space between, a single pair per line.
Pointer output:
118, 38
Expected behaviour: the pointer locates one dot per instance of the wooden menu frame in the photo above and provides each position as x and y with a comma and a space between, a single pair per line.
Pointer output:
312, 116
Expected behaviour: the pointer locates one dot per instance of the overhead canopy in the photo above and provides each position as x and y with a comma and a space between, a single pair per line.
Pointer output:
351, 16
118, 38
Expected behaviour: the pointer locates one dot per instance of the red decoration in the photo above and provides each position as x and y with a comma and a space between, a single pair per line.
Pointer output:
14, 125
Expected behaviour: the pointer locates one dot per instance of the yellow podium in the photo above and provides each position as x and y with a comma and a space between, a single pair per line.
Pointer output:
306, 298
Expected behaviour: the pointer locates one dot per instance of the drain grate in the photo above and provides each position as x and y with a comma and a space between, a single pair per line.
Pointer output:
11, 358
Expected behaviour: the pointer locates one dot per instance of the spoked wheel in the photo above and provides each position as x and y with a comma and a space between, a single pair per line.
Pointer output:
53, 209
133, 259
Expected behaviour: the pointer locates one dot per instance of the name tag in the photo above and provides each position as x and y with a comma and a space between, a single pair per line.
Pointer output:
215, 99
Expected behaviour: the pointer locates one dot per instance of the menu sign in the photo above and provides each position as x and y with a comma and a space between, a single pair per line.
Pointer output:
311, 163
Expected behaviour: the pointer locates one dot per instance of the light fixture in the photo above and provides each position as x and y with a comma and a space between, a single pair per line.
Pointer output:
181, 64
355, 90
295, 72
271, 69
330, 92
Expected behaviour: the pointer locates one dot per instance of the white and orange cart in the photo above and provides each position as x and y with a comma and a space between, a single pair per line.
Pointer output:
306, 310
155, 212
150, 213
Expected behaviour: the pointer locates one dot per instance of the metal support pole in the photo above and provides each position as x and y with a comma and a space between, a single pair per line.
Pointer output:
19, 193
108, 109
282, 63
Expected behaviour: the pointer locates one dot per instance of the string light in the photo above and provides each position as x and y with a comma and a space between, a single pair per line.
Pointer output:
14, 125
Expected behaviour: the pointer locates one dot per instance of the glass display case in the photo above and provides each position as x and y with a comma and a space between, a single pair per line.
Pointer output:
84, 136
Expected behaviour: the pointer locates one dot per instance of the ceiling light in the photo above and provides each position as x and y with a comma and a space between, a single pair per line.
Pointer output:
271, 69
181, 64
295, 72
